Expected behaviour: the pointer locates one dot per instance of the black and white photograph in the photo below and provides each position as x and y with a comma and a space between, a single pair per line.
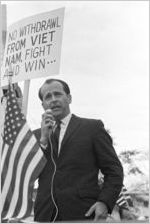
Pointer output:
74, 112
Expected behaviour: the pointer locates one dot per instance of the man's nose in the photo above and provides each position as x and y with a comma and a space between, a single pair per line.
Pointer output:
53, 98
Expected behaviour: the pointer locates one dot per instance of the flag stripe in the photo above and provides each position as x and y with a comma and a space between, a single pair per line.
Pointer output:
24, 170
123, 202
4, 162
22, 178
10, 165
15, 195
4, 154
5, 167
22, 181
17, 157
27, 181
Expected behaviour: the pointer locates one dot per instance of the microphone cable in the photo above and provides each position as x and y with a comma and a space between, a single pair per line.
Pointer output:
55, 167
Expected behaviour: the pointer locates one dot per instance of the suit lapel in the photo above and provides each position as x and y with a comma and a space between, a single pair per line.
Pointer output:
72, 126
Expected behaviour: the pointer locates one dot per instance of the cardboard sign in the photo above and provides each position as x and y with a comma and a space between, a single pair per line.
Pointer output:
33, 47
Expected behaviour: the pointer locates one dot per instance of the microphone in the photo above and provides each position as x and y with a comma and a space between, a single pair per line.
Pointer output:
53, 121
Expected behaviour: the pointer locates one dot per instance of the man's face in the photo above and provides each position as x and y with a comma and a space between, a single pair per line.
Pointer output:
56, 99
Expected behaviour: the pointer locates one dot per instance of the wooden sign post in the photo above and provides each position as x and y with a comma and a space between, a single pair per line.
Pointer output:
25, 97
3, 25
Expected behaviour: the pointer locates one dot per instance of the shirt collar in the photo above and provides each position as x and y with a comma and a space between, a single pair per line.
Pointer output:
66, 119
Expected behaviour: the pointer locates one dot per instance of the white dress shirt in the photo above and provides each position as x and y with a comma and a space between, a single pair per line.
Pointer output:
63, 127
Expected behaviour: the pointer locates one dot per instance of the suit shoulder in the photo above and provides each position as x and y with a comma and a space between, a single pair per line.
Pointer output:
92, 121
96, 125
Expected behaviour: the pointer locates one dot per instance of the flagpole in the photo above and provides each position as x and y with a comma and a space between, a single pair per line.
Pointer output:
10, 75
25, 97
3, 23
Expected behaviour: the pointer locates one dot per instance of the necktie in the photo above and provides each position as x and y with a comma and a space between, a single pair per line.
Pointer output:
56, 134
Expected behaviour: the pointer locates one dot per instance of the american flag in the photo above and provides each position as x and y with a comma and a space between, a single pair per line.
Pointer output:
22, 160
123, 199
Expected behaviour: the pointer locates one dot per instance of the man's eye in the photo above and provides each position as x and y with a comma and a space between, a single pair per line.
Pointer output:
48, 96
58, 94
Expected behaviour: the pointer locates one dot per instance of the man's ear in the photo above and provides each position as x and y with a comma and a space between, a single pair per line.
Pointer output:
69, 98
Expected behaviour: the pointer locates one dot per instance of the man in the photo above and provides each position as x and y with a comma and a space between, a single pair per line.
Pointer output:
68, 186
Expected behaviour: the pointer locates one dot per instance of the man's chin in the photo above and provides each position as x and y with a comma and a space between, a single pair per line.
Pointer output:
57, 114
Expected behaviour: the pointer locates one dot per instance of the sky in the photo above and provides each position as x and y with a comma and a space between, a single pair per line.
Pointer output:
105, 60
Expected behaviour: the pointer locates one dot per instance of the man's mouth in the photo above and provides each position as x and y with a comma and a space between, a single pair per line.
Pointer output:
55, 108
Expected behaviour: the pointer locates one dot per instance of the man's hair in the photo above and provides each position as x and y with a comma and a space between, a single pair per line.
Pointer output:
49, 81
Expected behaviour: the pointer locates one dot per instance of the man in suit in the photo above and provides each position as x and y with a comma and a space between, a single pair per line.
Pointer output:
68, 186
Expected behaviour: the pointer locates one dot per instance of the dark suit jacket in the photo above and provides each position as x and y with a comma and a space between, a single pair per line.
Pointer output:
85, 149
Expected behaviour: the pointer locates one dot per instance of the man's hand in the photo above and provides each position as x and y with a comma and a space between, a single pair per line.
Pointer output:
100, 209
46, 126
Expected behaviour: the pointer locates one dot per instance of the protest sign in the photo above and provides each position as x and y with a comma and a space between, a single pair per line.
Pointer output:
33, 47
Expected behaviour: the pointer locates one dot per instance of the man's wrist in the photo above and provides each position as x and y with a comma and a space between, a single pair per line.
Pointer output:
43, 142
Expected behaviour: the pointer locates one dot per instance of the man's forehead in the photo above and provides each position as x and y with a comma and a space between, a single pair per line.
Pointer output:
52, 87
